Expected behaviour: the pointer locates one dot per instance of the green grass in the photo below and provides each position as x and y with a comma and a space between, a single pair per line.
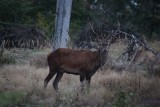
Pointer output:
11, 98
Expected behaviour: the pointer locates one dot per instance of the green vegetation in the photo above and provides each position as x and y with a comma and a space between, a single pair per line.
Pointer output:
123, 99
11, 98
132, 15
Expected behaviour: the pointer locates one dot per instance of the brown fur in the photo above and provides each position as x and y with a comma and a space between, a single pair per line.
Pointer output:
80, 62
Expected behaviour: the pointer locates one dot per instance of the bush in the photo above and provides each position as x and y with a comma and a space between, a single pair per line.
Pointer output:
7, 60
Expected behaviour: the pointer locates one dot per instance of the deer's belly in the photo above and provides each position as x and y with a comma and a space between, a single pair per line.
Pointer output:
69, 70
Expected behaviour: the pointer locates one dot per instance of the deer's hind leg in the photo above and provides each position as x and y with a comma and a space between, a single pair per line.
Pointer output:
57, 79
82, 80
52, 72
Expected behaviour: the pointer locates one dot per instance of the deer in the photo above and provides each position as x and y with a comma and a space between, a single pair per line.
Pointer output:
78, 62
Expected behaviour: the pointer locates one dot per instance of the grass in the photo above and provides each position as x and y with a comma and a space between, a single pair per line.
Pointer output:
108, 88
155, 45
11, 98
21, 84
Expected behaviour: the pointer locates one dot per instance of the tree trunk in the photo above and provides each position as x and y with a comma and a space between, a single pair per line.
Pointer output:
63, 13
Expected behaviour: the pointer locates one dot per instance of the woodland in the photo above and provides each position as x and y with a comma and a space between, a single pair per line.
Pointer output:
135, 16
129, 78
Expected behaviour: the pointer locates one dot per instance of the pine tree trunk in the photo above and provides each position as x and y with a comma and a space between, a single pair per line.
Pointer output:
63, 13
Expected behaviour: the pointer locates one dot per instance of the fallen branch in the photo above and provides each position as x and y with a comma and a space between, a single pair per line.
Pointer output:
111, 36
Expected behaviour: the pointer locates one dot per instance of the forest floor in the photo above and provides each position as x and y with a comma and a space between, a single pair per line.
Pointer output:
22, 77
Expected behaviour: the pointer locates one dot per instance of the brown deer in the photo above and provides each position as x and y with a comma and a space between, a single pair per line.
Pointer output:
79, 62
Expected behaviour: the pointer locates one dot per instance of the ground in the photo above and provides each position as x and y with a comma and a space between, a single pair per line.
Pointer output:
21, 84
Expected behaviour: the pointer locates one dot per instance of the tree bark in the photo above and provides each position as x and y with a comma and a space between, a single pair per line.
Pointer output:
63, 13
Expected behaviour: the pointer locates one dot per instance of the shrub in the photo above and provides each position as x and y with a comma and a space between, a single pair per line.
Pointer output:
7, 60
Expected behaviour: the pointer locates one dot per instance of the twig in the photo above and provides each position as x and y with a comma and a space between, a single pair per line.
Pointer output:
91, 26
133, 57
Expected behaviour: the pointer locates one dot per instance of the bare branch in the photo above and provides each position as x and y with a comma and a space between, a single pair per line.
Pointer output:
111, 36
91, 26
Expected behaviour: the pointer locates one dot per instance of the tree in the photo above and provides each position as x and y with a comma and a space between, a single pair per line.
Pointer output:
63, 12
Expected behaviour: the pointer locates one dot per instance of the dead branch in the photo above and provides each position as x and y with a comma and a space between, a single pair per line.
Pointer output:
111, 36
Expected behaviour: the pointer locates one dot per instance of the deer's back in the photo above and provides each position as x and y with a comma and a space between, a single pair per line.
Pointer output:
75, 59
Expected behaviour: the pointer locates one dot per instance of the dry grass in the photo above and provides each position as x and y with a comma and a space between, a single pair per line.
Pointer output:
106, 88
109, 88
155, 45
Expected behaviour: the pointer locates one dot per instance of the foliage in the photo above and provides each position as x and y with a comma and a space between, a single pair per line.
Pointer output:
29, 12
132, 14
44, 23
79, 16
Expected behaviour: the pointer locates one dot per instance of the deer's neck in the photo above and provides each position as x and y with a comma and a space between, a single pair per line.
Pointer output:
102, 58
